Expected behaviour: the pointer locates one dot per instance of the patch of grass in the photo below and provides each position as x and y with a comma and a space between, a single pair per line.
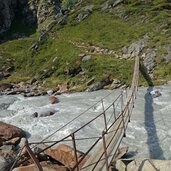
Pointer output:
56, 55
102, 66
113, 32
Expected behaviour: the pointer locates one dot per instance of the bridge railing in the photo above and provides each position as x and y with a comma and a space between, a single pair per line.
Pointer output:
112, 136
103, 146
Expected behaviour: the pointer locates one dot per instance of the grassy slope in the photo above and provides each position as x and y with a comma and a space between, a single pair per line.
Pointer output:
56, 54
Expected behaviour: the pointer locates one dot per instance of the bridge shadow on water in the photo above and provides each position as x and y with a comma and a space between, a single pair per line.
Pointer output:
155, 150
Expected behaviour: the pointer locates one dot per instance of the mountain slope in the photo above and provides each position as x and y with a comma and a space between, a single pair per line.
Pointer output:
90, 40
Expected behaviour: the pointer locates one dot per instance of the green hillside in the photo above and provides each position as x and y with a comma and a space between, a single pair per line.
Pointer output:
95, 28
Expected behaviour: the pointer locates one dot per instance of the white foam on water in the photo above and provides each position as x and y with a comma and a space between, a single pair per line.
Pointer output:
20, 112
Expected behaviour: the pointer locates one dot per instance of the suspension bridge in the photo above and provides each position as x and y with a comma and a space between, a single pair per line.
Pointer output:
103, 147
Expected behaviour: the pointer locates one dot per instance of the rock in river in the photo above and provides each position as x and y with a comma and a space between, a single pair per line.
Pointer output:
8, 131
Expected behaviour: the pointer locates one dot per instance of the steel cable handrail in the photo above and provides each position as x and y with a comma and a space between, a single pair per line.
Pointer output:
68, 136
130, 101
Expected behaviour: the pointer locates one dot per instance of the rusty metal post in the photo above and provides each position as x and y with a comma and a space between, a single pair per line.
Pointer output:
103, 106
126, 91
129, 112
105, 151
114, 111
121, 101
122, 113
33, 157
104, 114
135, 91
105, 121
75, 150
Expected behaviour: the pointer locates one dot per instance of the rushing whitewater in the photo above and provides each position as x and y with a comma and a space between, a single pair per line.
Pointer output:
18, 110
148, 134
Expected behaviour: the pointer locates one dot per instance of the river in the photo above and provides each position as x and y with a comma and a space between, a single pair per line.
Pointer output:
148, 134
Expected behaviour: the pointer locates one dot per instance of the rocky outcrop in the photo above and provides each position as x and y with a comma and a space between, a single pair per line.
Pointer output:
99, 85
148, 164
8, 131
64, 154
4, 164
135, 48
7, 13
84, 13
142, 164
112, 3
32, 11
167, 58
47, 8
46, 167
149, 61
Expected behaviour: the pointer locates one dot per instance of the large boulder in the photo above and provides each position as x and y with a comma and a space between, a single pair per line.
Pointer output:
3, 87
149, 165
99, 85
65, 155
135, 48
8, 131
53, 100
155, 93
44, 113
84, 13
4, 164
45, 166
150, 61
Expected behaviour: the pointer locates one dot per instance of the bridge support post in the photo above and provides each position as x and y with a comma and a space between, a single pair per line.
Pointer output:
105, 151
129, 116
105, 121
121, 101
75, 150
33, 157
122, 113
114, 111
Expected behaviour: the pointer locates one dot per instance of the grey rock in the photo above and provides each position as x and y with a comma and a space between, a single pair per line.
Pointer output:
155, 93
88, 8
44, 113
135, 48
22, 143
167, 58
63, 20
99, 85
4, 164
80, 17
85, 12
7, 149
50, 92
149, 165
96, 86
149, 61
32, 11
116, 84
86, 58
119, 165
109, 4
31, 81
117, 2
105, 6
